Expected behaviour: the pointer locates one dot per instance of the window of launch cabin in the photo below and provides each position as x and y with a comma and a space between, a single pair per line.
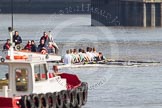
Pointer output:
4, 76
40, 72
21, 78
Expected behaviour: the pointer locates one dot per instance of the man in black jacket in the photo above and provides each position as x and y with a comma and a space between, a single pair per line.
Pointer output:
16, 38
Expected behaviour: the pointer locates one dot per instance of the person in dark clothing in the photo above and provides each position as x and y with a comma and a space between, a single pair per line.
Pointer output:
42, 46
16, 38
7, 45
33, 46
46, 38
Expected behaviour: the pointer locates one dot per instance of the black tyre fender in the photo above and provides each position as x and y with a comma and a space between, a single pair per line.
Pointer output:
51, 100
72, 96
26, 102
59, 100
23, 101
43, 100
84, 87
35, 100
66, 99
79, 97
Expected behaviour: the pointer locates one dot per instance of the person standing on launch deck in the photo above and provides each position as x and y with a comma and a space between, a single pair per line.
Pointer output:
16, 38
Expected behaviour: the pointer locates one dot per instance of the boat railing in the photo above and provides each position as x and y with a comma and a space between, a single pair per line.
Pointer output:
25, 56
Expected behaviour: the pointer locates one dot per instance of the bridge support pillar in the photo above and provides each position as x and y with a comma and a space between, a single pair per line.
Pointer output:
153, 15
144, 15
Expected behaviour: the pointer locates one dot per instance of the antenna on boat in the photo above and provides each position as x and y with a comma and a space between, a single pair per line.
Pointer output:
10, 29
12, 14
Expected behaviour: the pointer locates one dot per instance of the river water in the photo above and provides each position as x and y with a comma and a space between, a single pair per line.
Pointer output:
109, 87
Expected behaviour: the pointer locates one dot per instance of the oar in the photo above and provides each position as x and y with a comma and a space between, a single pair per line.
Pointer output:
132, 61
144, 61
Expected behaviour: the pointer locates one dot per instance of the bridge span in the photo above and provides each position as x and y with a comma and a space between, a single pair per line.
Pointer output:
127, 12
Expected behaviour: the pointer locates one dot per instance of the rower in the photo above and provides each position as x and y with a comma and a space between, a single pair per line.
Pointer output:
100, 57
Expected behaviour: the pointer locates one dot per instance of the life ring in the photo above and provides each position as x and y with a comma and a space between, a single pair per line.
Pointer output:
43, 51
72, 95
59, 100
18, 57
2, 60
66, 99
84, 87
43, 100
